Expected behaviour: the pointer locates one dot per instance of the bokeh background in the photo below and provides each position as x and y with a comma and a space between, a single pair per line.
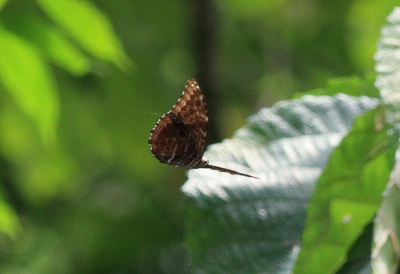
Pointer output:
83, 83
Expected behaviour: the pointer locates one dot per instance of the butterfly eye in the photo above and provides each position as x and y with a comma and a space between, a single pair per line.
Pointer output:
185, 115
191, 111
197, 102
169, 141
182, 134
168, 148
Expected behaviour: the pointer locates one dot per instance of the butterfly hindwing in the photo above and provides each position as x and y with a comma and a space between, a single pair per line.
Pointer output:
172, 143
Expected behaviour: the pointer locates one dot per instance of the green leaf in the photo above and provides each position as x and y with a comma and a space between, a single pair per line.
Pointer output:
348, 195
243, 225
89, 27
2, 3
53, 44
359, 256
9, 222
26, 76
353, 86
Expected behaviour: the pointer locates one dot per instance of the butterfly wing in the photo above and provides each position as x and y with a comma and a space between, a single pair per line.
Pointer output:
171, 143
191, 110
180, 136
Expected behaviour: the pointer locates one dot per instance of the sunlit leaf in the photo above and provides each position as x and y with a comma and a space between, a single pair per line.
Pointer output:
242, 225
388, 66
89, 27
26, 76
385, 259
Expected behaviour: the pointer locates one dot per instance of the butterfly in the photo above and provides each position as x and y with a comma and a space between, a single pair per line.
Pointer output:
180, 136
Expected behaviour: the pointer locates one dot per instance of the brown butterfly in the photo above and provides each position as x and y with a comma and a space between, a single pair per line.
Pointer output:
180, 137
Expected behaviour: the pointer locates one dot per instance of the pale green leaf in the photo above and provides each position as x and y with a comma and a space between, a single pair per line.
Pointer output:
54, 45
2, 3
26, 76
89, 27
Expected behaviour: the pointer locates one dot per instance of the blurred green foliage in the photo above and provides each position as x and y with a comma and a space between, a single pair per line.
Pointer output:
81, 82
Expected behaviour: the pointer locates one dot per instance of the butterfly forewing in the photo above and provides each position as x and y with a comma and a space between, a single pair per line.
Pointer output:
191, 109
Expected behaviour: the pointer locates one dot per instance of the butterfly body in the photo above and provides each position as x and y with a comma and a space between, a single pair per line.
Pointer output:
180, 136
